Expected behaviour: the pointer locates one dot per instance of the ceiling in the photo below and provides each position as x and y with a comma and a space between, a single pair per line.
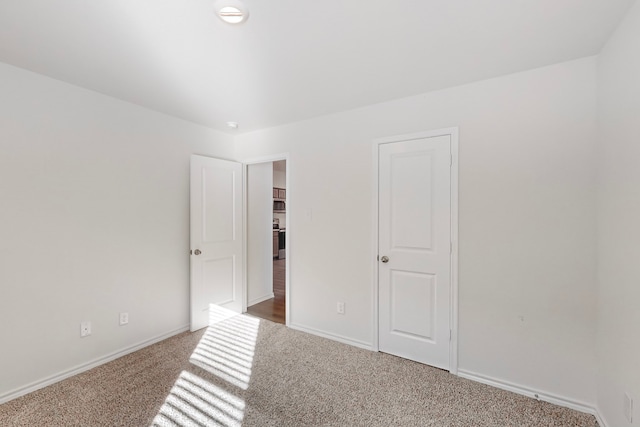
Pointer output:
293, 59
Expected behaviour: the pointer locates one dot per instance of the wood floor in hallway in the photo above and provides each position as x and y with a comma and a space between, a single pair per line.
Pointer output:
273, 309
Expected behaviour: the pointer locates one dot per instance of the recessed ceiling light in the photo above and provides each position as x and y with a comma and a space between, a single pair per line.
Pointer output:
233, 125
231, 11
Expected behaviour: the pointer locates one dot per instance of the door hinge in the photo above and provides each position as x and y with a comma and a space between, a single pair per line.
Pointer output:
450, 334
450, 248
378, 258
191, 252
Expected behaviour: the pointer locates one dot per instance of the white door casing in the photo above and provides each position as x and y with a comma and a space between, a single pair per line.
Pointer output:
415, 234
216, 237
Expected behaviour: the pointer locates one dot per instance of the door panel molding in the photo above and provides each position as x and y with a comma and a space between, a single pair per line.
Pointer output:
453, 298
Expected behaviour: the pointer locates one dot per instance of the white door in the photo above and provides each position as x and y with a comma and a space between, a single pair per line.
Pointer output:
414, 247
216, 238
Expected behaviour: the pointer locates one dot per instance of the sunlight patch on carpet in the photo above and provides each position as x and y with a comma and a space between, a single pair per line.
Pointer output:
226, 350
227, 347
194, 401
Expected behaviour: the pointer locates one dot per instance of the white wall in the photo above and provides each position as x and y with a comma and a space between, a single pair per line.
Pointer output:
259, 232
619, 221
527, 220
94, 221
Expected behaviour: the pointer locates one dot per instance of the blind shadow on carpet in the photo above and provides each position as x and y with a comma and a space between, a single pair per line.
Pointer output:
226, 352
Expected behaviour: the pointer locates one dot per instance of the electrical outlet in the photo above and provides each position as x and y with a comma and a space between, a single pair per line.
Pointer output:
124, 318
85, 329
627, 407
340, 307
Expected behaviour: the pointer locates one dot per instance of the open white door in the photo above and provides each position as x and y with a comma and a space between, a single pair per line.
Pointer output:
216, 238
414, 247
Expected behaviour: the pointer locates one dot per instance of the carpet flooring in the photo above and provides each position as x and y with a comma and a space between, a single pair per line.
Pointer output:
243, 371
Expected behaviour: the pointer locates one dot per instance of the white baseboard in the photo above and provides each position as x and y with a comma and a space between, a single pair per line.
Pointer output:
36, 385
334, 337
259, 300
538, 395
599, 419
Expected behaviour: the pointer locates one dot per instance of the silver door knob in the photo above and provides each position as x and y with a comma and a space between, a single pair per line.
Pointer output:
384, 259
197, 252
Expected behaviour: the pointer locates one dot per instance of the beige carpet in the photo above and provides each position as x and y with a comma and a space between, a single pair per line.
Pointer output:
249, 372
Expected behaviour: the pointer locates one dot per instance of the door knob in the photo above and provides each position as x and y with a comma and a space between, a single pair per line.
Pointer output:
197, 252
384, 259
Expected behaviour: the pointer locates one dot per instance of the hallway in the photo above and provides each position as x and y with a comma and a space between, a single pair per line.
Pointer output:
273, 309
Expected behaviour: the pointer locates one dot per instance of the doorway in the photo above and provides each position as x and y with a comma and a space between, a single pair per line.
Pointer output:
416, 247
267, 236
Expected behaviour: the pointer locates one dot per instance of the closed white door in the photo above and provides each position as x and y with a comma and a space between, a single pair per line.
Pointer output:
414, 248
216, 239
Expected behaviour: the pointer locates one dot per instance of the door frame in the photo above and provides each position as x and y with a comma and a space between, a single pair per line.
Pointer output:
453, 297
287, 273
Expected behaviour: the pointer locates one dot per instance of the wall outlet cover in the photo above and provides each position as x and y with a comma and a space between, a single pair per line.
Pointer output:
85, 329
124, 318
